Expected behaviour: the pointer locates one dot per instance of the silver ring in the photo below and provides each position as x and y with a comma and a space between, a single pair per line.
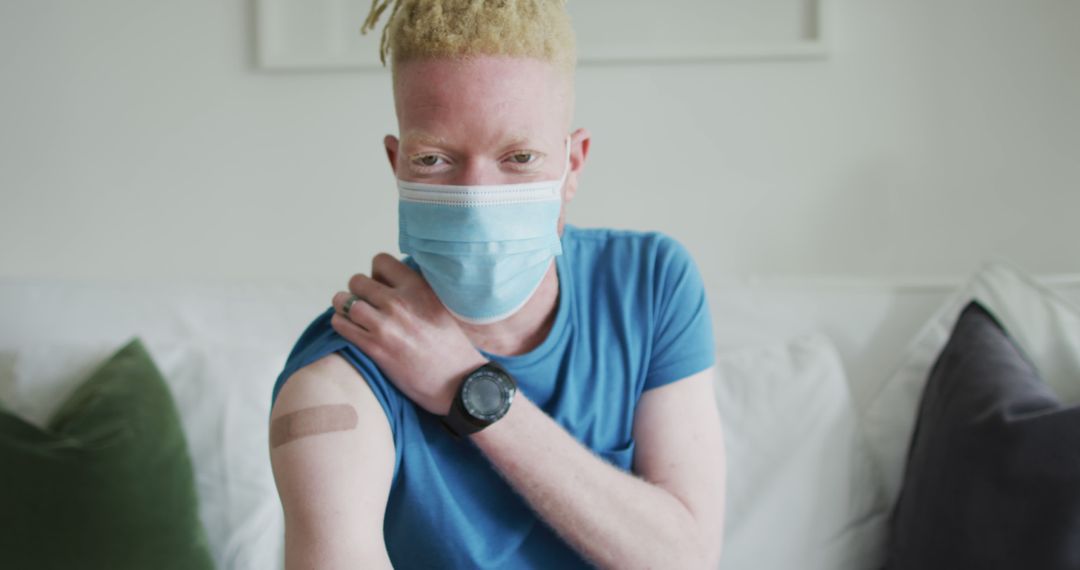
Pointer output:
349, 303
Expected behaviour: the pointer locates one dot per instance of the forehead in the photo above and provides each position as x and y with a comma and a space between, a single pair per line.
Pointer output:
482, 96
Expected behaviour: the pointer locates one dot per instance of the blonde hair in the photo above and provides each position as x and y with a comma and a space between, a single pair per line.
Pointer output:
418, 29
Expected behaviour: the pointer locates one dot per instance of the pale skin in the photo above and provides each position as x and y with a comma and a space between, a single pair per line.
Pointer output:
491, 120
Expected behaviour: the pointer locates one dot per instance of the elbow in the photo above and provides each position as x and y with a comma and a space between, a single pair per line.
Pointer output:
701, 547
712, 542
713, 553
693, 557
708, 552
709, 543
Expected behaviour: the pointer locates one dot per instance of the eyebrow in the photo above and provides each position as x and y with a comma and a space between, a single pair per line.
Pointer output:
424, 137
513, 140
520, 140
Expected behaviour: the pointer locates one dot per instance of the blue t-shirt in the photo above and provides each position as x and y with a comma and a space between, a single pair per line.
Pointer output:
631, 316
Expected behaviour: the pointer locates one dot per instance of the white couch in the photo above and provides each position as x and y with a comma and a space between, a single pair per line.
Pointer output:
799, 362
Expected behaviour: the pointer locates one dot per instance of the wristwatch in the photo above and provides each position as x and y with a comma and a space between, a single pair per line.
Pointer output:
483, 397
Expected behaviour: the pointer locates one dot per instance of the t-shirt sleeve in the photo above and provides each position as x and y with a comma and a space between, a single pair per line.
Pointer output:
682, 335
320, 339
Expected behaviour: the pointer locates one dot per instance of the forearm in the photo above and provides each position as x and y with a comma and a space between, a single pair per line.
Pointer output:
611, 517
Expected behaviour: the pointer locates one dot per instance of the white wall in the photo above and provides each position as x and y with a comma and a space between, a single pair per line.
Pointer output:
137, 140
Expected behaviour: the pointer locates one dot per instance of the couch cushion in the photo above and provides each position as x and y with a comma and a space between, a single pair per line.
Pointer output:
108, 483
991, 475
799, 482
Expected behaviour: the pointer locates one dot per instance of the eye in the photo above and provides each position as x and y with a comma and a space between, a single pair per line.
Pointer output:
428, 160
522, 157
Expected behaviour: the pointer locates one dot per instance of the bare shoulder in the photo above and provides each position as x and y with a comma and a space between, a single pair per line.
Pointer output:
329, 398
329, 378
332, 454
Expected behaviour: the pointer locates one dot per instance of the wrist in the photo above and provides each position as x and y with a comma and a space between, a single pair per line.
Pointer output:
483, 397
439, 403
497, 431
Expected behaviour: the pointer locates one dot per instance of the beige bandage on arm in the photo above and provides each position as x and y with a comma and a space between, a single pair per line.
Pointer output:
312, 421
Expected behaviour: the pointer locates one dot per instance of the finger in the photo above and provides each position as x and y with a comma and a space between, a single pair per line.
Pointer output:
387, 269
359, 311
370, 290
340, 299
351, 332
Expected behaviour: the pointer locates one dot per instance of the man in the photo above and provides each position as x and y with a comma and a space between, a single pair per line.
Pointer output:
519, 392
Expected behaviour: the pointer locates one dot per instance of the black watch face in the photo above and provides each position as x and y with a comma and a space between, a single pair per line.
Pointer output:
487, 395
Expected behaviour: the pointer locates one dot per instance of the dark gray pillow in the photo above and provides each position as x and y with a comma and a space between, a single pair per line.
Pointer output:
993, 471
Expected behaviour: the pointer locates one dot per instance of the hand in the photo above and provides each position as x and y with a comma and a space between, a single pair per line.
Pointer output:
401, 324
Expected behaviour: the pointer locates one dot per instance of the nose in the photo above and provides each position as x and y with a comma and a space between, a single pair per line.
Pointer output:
476, 171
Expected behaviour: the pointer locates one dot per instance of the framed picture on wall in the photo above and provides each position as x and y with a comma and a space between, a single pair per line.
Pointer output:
325, 34
697, 30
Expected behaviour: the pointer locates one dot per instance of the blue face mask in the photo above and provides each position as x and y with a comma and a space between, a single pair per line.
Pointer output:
483, 249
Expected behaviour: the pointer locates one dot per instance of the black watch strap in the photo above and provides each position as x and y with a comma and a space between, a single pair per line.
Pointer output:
458, 421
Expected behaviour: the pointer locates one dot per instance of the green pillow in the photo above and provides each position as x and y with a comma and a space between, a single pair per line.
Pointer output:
108, 484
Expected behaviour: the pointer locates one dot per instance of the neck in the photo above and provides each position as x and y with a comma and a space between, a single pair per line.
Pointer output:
524, 330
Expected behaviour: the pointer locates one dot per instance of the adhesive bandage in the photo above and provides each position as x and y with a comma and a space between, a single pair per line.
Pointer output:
312, 421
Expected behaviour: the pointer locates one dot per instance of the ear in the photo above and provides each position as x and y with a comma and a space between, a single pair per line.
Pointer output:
391, 144
579, 152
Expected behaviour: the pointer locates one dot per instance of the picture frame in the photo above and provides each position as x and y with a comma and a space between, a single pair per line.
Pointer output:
314, 35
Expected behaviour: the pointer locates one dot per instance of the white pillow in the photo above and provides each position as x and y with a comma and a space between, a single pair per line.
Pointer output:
1043, 323
801, 489
223, 394
35, 378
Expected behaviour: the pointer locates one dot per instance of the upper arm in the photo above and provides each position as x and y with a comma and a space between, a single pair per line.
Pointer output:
680, 325
680, 448
333, 485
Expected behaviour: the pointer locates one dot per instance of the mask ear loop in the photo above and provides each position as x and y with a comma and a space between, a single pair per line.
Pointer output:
566, 165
